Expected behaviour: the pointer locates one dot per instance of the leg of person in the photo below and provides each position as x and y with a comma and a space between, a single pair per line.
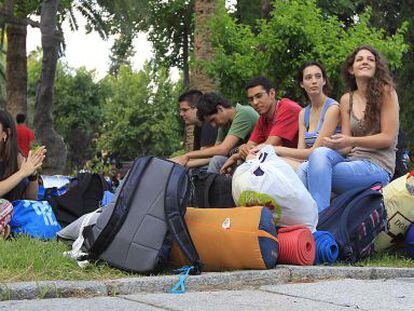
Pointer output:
319, 175
355, 174
216, 163
302, 173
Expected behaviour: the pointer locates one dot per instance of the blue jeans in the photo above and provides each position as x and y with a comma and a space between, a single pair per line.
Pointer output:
216, 163
328, 171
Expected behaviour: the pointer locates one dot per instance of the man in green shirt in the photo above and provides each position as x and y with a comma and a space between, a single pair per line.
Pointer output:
234, 124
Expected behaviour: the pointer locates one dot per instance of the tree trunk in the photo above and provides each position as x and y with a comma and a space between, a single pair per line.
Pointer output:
16, 69
56, 149
203, 51
186, 29
267, 7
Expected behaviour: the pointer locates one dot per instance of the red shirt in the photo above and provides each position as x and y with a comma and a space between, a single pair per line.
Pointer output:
284, 124
25, 136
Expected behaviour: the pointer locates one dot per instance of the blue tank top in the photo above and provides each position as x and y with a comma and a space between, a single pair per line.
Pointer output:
310, 137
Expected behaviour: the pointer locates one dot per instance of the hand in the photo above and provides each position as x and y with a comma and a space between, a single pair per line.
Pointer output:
33, 162
253, 152
244, 151
226, 168
182, 160
338, 141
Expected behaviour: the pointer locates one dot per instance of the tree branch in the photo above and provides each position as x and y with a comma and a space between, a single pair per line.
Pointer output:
10, 19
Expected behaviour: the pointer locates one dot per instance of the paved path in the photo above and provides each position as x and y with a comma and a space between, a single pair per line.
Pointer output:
392, 294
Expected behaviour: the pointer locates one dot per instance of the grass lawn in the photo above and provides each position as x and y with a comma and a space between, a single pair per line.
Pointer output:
25, 259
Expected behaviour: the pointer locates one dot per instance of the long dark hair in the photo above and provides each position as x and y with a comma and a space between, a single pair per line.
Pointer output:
375, 89
326, 88
8, 148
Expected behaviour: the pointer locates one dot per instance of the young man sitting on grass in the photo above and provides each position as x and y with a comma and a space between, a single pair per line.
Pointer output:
278, 122
234, 127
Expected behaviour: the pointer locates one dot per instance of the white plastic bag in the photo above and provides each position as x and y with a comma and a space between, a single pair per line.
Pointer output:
269, 181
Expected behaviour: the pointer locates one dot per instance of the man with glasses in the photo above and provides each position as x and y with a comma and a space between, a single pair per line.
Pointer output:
204, 134
278, 122
234, 124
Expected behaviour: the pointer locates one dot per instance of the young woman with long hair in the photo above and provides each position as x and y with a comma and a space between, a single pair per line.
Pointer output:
364, 153
18, 178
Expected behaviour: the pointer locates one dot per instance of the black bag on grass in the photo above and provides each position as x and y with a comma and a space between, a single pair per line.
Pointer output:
84, 196
212, 190
355, 218
136, 231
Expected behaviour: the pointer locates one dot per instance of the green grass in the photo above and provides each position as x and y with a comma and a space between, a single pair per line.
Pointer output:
396, 260
25, 259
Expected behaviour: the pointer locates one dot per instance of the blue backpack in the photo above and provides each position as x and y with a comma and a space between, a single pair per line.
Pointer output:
355, 218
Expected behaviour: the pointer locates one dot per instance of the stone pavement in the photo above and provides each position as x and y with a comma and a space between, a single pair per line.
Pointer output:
205, 282
380, 294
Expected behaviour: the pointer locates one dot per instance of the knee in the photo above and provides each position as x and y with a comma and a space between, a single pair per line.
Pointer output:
320, 153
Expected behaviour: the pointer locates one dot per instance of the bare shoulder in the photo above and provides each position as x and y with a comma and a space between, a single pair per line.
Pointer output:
344, 103
302, 114
390, 96
344, 99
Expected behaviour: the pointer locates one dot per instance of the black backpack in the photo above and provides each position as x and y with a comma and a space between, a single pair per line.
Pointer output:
84, 196
135, 232
355, 218
212, 190
402, 158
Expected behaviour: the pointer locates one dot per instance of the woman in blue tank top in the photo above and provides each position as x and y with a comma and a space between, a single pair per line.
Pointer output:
317, 120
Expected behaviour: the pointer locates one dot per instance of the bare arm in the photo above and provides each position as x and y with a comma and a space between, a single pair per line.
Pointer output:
331, 120
389, 120
197, 162
26, 168
222, 148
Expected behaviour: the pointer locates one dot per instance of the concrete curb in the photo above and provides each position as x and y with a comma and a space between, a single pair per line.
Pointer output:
206, 281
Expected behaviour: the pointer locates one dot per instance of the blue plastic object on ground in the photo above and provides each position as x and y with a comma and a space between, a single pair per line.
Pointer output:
326, 247
179, 288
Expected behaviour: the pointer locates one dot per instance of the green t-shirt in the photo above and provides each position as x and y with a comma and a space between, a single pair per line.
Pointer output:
242, 125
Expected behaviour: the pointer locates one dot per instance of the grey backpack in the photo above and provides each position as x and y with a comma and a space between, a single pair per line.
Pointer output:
136, 231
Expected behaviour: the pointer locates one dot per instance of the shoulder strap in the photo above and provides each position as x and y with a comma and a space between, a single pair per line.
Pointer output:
306, 117
176, 196
327, 104
207, 186
121, 208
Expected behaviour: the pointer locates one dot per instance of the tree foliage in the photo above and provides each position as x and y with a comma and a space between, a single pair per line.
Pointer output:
139, 112
298, 31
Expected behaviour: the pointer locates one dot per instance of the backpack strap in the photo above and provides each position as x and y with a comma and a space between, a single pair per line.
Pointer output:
207, 186
176, 196
306, 117
121, 208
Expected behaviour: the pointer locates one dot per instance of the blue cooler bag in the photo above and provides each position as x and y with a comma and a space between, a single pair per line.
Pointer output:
35, 219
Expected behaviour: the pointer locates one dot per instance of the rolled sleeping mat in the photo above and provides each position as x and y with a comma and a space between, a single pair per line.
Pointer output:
296, 246
326, 248
409, 241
